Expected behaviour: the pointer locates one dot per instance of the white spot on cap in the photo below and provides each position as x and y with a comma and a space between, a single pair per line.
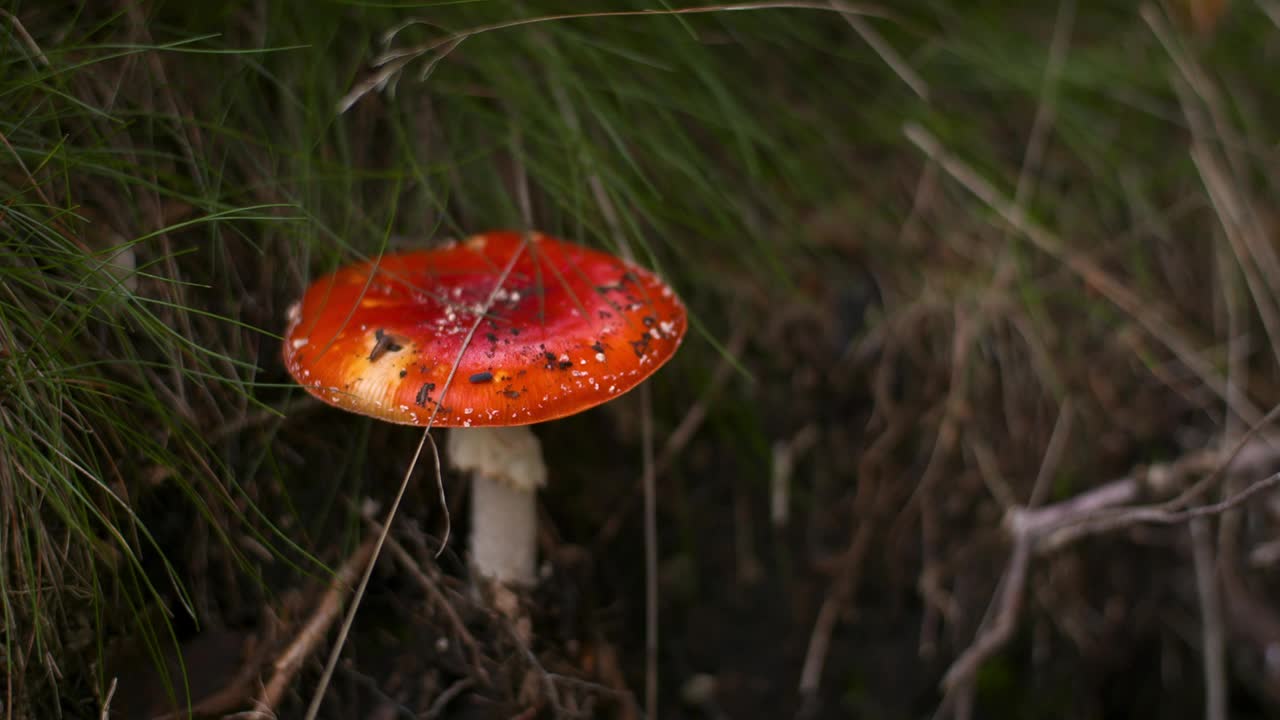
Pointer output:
599, 357
300, 342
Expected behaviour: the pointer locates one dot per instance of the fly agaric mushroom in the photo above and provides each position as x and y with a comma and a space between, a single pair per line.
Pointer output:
485, 336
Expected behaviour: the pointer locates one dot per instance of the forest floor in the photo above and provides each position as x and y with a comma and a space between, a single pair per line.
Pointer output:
973, 418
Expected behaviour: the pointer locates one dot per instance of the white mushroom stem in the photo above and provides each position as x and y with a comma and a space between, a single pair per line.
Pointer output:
507, 470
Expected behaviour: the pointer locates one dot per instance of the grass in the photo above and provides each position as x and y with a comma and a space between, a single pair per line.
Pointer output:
174, 175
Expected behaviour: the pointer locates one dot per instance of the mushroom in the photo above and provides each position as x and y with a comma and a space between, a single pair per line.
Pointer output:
485, 336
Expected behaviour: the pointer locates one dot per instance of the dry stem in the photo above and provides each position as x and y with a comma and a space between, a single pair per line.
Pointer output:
308, 639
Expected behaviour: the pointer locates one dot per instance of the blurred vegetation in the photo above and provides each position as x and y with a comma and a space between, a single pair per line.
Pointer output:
812, 183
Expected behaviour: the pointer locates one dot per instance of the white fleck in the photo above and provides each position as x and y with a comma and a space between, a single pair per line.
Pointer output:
579, 373
295, 312
466, 411
404, 408
564, 358
613, 388
300, 342
668, 327
599, 357
466, 423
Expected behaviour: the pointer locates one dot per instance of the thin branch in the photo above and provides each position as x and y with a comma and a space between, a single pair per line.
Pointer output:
312, 634
318, 697
1008, 607
991, 640
815, 656
1211, 626
649, 474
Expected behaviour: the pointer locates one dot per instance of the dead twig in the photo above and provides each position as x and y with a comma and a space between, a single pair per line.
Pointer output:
869, 494
649, 476
958, 679
1211, 633
308, 639
239, 688
1029, 528
815, 657
447, 696
1099, 510
993, 638
432, 589
785, 454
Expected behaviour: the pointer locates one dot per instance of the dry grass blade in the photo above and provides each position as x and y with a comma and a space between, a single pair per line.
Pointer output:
887, 53
430, 586
499, 284
1214, 144
1212, 631
304, 644
1144, 311
393, 62
25, 36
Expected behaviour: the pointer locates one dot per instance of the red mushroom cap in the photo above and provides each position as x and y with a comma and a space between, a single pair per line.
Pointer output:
569, 328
